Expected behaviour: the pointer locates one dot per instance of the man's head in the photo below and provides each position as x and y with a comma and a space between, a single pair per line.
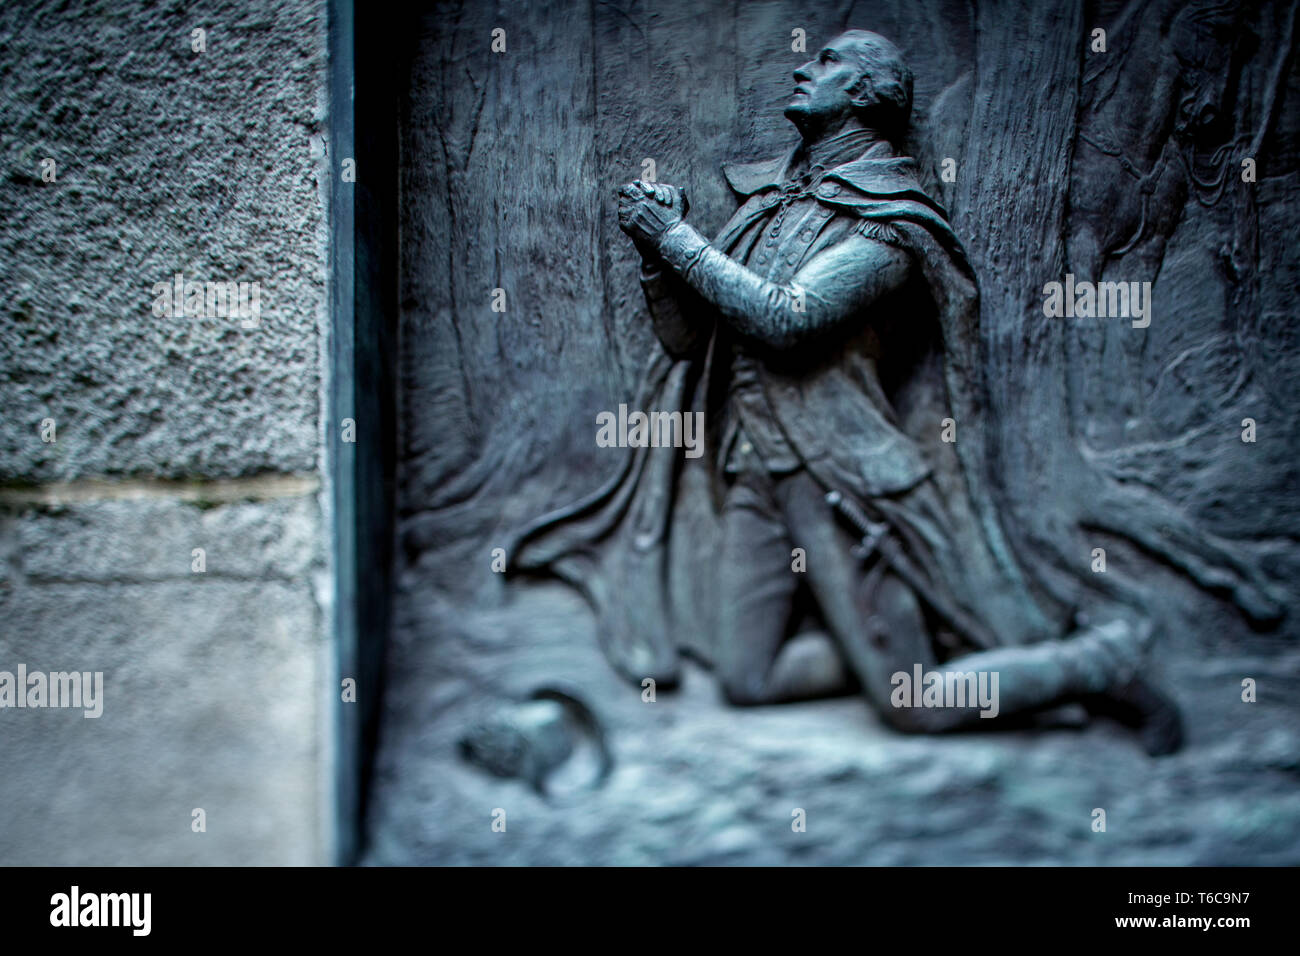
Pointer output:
858, 79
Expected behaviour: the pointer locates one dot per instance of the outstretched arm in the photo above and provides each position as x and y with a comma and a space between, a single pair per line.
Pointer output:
831, 288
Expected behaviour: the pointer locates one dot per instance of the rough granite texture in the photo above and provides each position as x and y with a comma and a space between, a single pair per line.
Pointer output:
208, 164
168, 161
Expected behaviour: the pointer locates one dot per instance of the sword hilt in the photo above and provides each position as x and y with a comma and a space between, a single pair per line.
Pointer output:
871, 531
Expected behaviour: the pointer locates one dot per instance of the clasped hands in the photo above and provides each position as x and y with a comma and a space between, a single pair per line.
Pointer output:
647, 210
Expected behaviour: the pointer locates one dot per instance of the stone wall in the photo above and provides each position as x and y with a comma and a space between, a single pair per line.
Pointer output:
169, 433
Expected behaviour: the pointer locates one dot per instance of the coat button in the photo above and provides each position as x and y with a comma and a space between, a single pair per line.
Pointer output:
829, 189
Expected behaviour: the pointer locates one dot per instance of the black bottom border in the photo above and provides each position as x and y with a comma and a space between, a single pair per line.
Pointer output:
335, 906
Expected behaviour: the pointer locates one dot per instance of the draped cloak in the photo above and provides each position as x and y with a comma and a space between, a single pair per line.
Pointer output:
638, 546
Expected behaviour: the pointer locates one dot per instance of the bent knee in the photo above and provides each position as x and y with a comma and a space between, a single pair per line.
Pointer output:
743, 693
905, 720
917, 720
664, 676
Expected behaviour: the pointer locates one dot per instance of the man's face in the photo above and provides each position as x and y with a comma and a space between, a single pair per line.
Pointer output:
821, 94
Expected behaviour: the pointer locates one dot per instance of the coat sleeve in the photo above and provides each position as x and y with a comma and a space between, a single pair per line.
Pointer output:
675, 310
831, 288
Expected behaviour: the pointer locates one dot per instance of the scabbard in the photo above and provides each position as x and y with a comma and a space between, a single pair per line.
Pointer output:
877, 538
